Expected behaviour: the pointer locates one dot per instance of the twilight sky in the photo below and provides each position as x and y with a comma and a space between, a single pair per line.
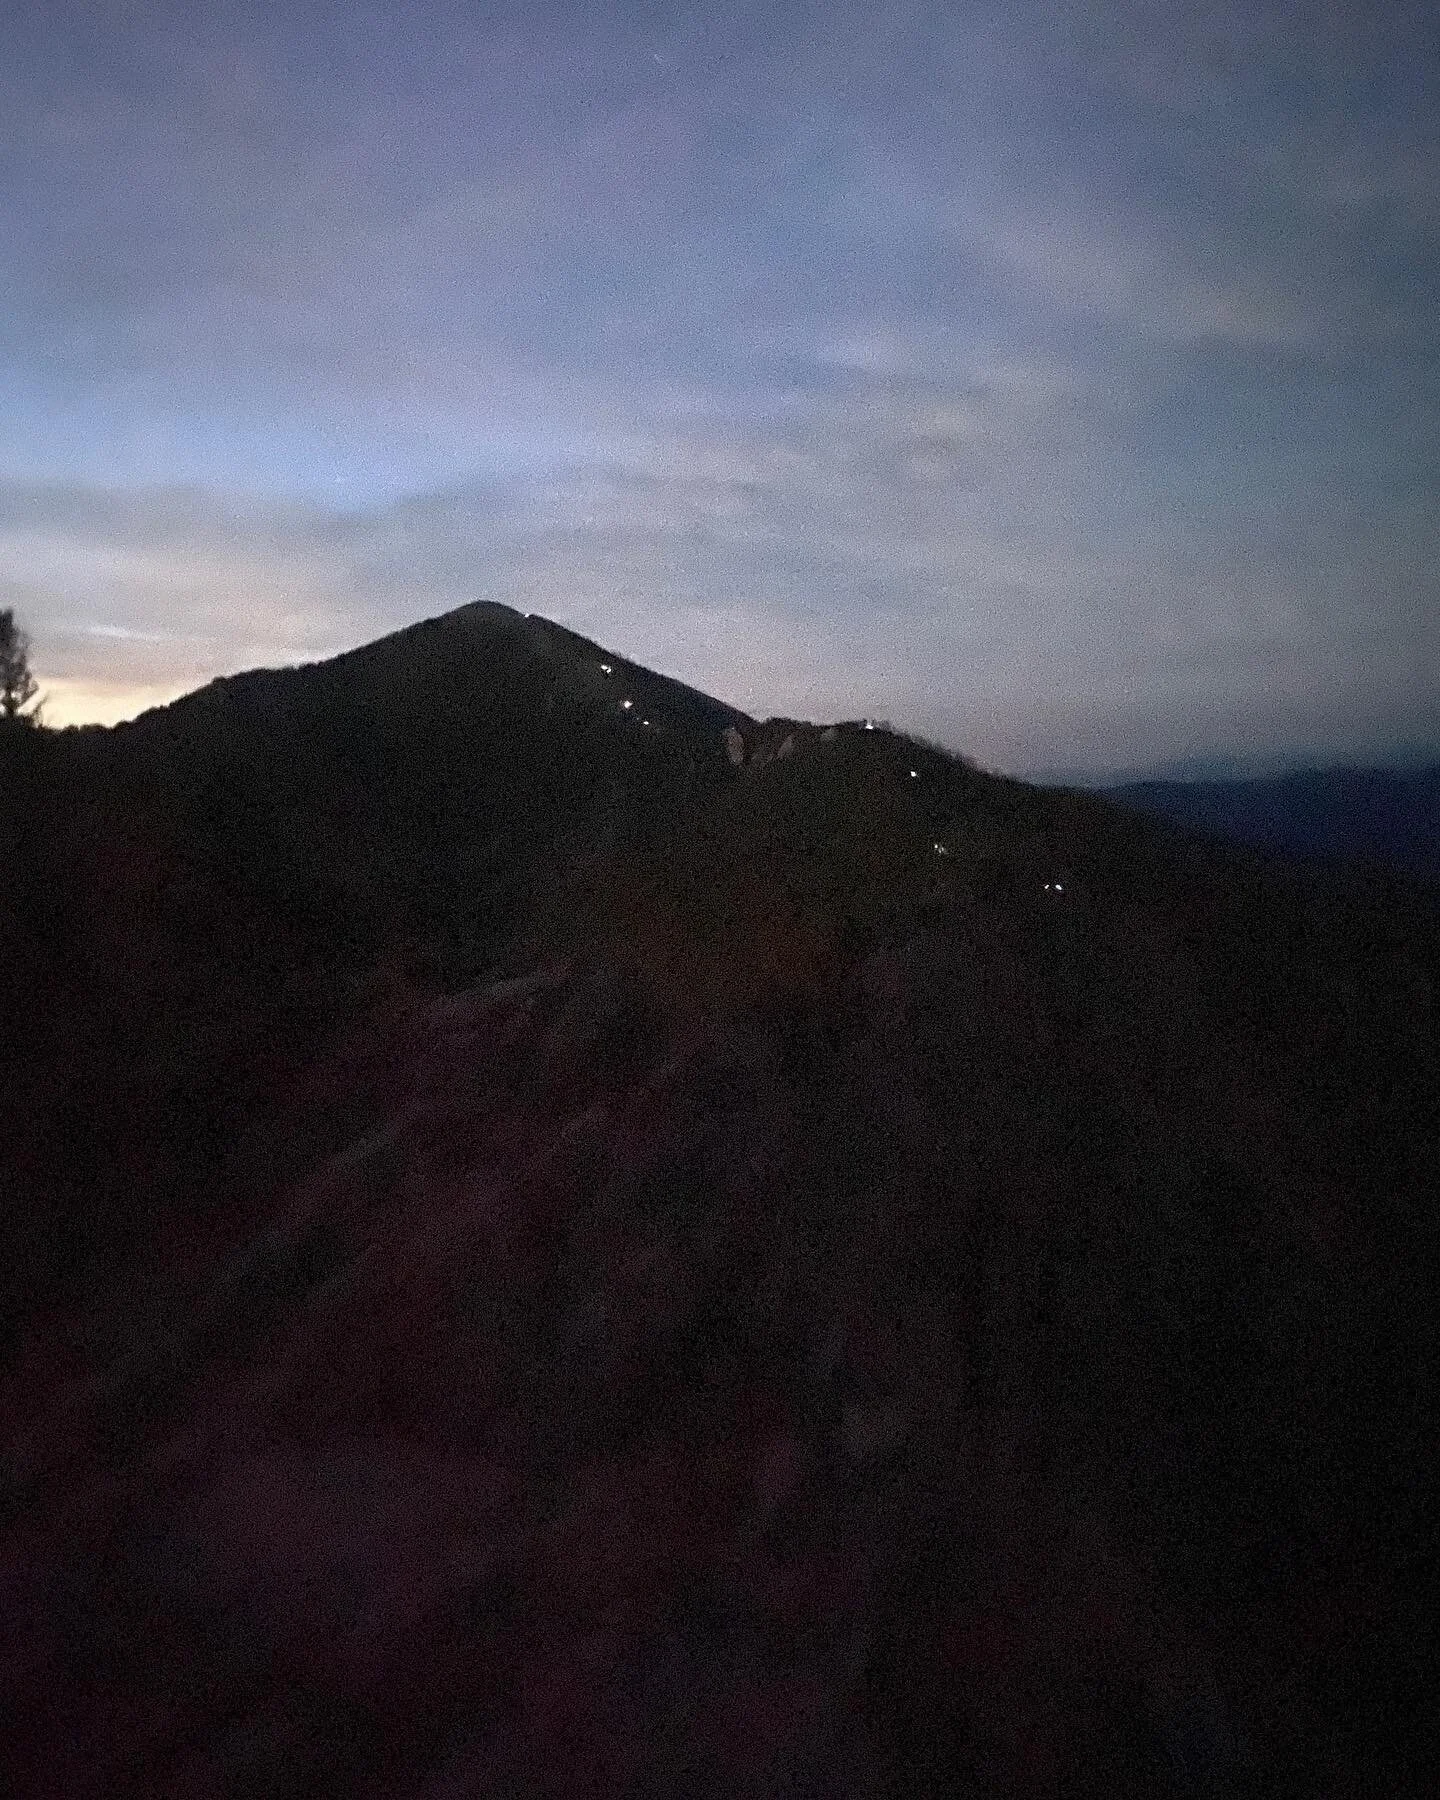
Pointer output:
1062, 382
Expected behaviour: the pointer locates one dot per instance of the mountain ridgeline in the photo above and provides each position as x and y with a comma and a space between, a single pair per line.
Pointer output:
442, 768
560, 1239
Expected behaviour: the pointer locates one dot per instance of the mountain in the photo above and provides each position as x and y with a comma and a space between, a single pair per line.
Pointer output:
189, 898
1381, 818
547, 1254
465, 750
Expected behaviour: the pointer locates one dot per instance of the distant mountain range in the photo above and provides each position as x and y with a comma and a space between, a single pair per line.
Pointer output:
558, 1239
1385, 818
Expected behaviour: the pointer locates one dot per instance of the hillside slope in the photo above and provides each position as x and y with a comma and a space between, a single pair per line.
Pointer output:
890, 1282
187, 900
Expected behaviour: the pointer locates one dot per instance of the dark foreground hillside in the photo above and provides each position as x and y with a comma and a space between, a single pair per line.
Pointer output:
858, 1278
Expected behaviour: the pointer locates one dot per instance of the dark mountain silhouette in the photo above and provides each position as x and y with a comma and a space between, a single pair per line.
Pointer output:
454, 753
546, 1253
1384, 818
188, 898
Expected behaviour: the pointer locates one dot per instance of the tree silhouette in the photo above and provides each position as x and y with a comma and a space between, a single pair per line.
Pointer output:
18, 686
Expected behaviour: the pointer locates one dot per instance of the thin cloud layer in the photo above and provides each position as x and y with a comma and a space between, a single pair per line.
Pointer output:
1059, 382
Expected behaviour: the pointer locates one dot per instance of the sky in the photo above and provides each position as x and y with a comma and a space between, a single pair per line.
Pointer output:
1060, 382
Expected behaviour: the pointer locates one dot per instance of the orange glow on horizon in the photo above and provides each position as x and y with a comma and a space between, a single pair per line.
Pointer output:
67, 701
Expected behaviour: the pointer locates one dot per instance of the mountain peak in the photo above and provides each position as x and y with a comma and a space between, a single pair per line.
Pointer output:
919, 1285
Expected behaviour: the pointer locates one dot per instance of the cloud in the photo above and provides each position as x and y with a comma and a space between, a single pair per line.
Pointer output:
1005, 366
133, 593
963, 544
